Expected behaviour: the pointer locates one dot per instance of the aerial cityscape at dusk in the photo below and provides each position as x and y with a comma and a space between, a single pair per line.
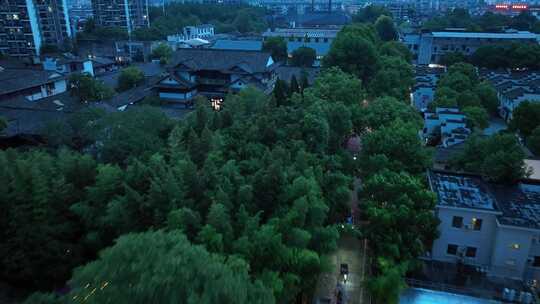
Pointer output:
270, 151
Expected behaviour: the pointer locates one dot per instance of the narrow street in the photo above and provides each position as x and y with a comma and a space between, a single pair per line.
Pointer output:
350, 251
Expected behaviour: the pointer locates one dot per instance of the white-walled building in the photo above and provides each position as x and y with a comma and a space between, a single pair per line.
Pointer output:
32, 84
203, 31
447, 123
513, 89
423, 92
430, 47
492, 227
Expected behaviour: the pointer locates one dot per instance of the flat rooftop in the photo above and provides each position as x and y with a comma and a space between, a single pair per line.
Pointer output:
461, 191
517, 35
519, 205
297, 32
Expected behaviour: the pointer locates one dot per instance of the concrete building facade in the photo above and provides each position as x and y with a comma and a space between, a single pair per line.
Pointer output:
491, 227
431, 47
28, 25
126, 14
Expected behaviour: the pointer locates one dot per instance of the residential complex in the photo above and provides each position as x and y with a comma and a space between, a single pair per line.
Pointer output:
430, 47
127, 14
28, 25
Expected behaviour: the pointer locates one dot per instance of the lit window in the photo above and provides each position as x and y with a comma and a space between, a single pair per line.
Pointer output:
216, 103
15, 17
477, 224
514, 246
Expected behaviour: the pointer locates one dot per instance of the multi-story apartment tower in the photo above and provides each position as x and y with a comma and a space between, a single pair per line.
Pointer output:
127, 14
28, 25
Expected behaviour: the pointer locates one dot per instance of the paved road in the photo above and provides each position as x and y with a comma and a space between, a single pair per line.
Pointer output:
351, 252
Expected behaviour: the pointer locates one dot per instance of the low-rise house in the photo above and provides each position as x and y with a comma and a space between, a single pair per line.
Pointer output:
30, 118
513, 89
31, 84
67, 64
103, 65
215, 73
423, 92
203, 31
494, 228
448, 124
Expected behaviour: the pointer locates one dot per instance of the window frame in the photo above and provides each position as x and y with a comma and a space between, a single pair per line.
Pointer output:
456, 217
448, 249
477, 223
475, 250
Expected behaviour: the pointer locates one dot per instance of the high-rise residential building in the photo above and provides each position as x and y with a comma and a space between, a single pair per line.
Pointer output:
28, 25
127, 14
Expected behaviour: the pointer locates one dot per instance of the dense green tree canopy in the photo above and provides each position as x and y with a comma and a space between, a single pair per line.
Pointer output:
370, 13
477, 117
499, 158
277, 47
516, 55
138, 265
163, 52
354, 52
451, 58
533, 141
88, 89
37, 192
395, 49
226, 19
383, 111
399, 208
239, 205
525, 118
303, 57
262, 181
461, 87
129, 78
394, 78
385, 28
399, 144
488, 22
